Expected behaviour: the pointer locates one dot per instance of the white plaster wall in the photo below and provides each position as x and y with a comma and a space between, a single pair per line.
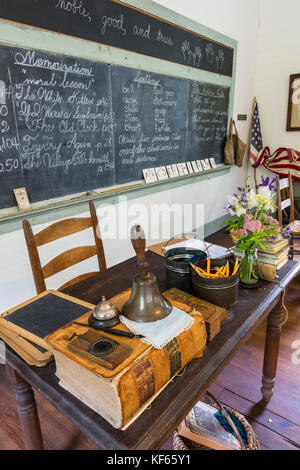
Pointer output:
278, 58
235, 18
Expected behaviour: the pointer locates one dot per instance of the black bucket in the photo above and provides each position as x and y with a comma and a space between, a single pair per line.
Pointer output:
178, 268
219, 291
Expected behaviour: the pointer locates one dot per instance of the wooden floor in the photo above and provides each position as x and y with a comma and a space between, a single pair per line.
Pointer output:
277, 425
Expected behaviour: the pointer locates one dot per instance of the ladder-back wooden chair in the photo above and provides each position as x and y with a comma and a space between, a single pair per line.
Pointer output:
286, 185
70, 257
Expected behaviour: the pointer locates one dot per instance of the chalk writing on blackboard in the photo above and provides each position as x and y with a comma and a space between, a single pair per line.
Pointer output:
208, 113
57, 135
150, 126
120, 25
69, 125
74, 7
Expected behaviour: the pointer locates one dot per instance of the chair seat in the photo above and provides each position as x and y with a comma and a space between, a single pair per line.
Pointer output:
295, 227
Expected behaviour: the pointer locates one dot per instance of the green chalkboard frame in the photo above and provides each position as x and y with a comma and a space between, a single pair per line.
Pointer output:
17, 35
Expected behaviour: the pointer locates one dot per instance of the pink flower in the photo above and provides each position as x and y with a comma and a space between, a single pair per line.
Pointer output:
253, 226
247, 218
242, 232
271, 221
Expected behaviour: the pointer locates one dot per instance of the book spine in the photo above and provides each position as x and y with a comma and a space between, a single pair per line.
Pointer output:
153, 371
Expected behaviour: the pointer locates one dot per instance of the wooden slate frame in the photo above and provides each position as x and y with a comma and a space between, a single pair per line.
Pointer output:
17, 330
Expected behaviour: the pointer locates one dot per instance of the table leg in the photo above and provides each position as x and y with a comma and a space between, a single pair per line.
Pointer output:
271, 351
27, 411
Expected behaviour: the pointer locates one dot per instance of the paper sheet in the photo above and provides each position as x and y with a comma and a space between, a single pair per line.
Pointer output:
213, 251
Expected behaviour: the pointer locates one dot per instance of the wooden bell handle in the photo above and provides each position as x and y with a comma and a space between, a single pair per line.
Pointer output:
138, 241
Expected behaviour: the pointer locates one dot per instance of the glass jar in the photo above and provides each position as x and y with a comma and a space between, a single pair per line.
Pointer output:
249, 267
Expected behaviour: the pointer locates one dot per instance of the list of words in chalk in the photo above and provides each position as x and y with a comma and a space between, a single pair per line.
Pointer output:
56, 129
150, 129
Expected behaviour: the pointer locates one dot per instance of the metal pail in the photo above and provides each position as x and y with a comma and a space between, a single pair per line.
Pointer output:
178, 268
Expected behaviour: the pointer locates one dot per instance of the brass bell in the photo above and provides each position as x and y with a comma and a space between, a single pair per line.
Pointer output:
105, 315
146, 303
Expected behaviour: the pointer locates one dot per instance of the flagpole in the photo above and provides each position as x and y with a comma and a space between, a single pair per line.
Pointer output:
253, 110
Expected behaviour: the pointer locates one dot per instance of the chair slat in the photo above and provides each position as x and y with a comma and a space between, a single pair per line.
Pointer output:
62, 229
284, 183
285, 204
68, 258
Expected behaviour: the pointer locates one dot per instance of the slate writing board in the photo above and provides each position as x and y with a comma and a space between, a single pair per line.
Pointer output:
115, 24
46, 315
69, 126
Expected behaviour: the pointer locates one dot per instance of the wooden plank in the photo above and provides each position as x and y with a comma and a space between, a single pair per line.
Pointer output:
269, 439
254, 411
247, 384
11, 435
11, 438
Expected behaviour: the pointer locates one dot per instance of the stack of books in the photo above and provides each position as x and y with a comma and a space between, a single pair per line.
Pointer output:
276, 253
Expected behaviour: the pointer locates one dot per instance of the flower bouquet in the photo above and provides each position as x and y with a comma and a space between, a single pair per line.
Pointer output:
253, 225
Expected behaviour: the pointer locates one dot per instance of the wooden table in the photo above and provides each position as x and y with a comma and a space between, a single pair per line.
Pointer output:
154, 426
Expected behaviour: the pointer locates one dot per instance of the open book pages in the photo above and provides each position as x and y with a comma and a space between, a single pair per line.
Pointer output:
213, 251
202, 426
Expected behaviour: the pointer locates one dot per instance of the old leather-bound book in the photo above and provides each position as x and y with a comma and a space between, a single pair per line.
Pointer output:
122, 394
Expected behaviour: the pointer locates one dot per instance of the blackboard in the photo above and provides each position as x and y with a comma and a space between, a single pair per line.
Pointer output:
208, 120
150, 121
56, 125
112, 23
69, 125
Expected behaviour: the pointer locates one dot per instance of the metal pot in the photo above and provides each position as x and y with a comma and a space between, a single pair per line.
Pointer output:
178, 268
220, 291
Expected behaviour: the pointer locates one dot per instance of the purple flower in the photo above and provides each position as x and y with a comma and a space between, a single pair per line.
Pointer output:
266, 183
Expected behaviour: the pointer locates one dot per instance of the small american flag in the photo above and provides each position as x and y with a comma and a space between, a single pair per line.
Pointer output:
256, 137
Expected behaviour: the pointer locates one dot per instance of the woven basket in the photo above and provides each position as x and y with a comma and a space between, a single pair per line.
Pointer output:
181, 443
